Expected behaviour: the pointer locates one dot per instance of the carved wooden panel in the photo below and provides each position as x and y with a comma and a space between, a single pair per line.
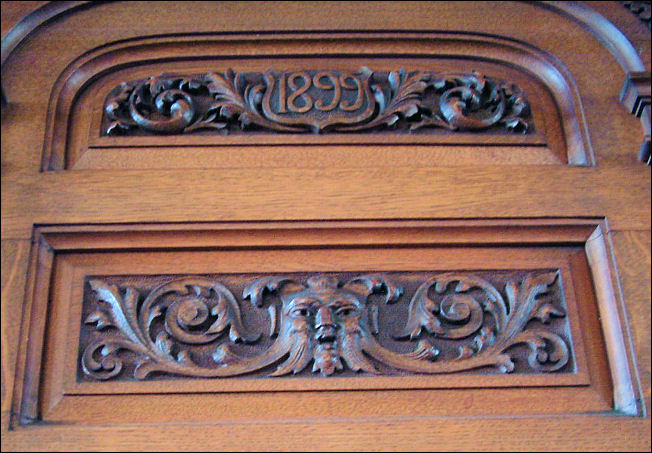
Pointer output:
316, 100
418, 97
641, 9
140, 210
274, 308
194, 326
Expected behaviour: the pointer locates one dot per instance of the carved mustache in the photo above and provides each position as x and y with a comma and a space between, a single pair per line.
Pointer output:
326, 334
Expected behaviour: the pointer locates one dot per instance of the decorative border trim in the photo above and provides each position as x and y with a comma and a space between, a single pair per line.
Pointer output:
635, 95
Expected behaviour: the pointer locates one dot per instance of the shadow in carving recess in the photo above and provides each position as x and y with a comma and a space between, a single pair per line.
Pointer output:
138, 327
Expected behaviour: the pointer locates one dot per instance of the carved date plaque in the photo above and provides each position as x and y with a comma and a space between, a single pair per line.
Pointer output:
333, 98
327, 324
318, 101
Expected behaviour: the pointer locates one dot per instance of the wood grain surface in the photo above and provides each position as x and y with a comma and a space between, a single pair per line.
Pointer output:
124, 198
632, 249
578, 433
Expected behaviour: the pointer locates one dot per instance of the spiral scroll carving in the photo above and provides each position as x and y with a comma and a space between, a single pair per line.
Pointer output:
195, 326
318, 101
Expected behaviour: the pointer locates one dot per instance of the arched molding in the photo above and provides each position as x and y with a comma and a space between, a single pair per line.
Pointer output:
601, 28
91, 68
35, 19
635, 94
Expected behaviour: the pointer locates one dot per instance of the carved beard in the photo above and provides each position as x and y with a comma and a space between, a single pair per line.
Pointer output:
327, 359
352, 343
297, 339
350, 338
303, 344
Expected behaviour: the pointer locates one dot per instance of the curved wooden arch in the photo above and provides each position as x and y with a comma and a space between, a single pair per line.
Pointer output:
604, 30
35, 19
633, 95
111, 58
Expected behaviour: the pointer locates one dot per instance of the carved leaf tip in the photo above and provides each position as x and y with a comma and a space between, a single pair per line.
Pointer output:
223, 356
255, 292
236, 337
184, 358
504, 363
425, 350
375, 283
144, 368
465, 352
409, 334
548, 311
365, 71
100, 319
165, 343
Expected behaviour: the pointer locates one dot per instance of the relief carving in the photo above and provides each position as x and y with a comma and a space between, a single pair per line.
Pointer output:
641, 9
318, 101
195, 326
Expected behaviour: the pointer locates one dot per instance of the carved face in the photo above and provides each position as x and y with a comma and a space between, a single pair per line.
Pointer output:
325, 312
319, 320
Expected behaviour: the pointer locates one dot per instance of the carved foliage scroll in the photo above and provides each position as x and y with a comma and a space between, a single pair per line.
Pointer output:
318, 101
327, 324
641, 9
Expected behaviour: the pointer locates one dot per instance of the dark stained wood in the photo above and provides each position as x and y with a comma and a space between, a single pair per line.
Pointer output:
302, 101
641, 9
635, 95
327, 319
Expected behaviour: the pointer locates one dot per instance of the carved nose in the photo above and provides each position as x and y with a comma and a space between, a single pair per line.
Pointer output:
324, 317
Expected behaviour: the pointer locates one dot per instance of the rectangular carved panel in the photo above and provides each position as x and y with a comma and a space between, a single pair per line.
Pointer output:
334, 324
138, 318
320, 101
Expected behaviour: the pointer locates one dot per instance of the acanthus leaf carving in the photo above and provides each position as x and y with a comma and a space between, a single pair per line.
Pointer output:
319, 101
324, 322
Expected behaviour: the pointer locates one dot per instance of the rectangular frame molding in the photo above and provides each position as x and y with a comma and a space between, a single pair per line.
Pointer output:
605, 383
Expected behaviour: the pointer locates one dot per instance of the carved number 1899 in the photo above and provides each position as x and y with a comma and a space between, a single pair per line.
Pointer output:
300, 82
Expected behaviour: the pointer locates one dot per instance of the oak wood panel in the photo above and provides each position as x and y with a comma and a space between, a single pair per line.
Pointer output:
621, 193
231, 257
632, 251
601, 192
297, 16
314, 155
15, 255
562, 433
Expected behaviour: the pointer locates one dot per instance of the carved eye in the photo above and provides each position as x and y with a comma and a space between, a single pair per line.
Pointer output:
300, 312
345, 310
